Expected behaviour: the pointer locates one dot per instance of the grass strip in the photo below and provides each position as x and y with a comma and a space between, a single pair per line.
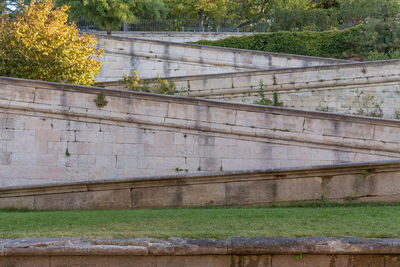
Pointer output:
298, 220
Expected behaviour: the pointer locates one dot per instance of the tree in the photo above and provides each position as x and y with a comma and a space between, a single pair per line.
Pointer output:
326, 4
249, 11
39, 43
3, 6
354, 12
198, 9
109, 14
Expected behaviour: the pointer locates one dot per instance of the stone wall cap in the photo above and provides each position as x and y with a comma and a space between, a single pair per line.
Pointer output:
270, 71
183, 246
199, 101
124, 38
103, 184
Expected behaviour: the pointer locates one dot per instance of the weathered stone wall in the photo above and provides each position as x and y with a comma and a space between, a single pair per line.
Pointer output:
54, 132
176, 37
235, 252
377, 181
152, 58
371, 88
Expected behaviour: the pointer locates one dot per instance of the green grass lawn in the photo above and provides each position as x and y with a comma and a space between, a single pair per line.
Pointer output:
330, 220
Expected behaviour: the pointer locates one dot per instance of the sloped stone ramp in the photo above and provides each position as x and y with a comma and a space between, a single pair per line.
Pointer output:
374, 181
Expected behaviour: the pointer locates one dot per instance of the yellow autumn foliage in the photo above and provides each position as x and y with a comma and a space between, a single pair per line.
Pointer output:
40, 44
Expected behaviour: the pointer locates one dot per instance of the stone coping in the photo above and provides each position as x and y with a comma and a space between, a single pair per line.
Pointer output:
333, 60
202, 178
260, 72
195, 101
191, 247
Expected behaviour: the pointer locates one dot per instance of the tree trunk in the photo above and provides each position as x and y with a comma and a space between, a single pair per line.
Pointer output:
201, 17
108, 30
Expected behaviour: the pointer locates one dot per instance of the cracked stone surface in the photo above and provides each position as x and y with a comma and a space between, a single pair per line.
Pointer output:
181, 246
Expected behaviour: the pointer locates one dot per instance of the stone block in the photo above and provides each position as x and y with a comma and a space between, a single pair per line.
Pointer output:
388, 134
267, 191
21, 261
135, 137
100, 148
392, 261
164, 138
23, 202
343, 186
5, 158
217, 115
210, 164
182, 111
150, 108
105, 261
174, 163
89, 136
47, 159
86, 160
150, 162
112, 199
367, 261
160, 150
127, 162
310, 260
203, 195
194, 261
251, 261
128, 149
152, 197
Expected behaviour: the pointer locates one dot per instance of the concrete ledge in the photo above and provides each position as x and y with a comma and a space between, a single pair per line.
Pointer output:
177, 37
243, 252
373, 181
91, 90
355, 88
193, 247
219, 49
152, 58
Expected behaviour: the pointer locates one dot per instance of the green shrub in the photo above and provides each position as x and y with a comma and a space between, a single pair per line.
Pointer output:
338, 44
375, 55
373, 40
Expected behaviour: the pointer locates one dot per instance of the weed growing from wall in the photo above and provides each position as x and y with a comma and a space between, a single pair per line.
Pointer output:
368, 106
266, 101
397, 115
100, 100
161, 86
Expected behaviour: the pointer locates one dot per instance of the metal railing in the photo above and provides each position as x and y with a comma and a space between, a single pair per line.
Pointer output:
317, 23
173, 25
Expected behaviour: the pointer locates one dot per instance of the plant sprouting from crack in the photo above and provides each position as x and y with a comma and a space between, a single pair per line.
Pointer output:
368, 106
266, 101
100, 100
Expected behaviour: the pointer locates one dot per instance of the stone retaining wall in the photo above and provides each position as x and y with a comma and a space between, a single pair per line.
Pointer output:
55, 132
378, 181
236, 252
176, 37
370, 88
151, 58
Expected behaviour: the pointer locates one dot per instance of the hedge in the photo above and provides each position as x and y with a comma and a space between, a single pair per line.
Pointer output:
336, 44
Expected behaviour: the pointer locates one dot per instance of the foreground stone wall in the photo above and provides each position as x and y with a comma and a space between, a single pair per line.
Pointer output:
379, 181
370, 88
176, 37
55, 132
235, 252
151, 58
